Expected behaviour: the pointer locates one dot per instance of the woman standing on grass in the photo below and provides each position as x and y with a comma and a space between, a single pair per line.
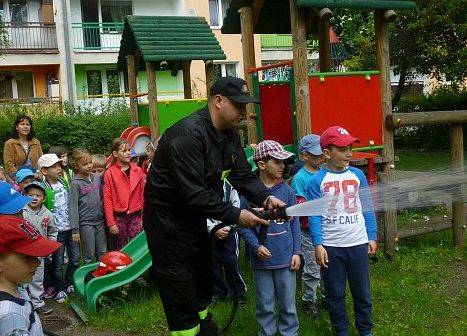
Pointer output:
23, 149
123, 194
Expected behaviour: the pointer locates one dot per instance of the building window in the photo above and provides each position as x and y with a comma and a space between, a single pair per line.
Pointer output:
217, 12
225, 69
16, 85
113, 81
115, 11
94, 81
18, 11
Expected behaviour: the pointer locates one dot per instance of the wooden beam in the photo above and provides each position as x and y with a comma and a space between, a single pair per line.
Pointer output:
382, 57
302, 90
132, 87
257, 7
248, 47
426, 118
152, 99
457, 161
324, 43
433, 225
209, 70
187, 80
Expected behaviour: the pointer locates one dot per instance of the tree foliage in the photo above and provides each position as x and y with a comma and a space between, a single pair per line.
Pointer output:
3, 35
431, 40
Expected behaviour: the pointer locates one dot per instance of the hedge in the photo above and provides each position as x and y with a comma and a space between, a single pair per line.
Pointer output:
435, 137
93, 132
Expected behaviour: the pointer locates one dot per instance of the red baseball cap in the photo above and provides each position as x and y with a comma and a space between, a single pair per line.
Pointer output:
16, 235
337, 135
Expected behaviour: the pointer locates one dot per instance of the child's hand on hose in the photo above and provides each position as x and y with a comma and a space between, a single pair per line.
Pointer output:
114, 230
295, 262
263, 253
222, 233
321, 256
75, 237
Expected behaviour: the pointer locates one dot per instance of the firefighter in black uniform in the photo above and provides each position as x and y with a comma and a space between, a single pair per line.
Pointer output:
183, 189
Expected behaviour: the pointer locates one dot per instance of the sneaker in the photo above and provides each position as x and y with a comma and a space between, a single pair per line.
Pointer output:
310, 308
61, 297
44, 310
50, 293
241, 303
70, 289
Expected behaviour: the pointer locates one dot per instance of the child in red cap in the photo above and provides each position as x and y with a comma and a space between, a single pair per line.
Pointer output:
20, 246
345, 232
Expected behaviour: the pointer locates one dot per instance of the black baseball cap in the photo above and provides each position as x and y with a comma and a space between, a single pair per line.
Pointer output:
233, 88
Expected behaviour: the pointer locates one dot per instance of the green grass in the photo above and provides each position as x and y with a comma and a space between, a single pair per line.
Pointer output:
423, 292
424, 161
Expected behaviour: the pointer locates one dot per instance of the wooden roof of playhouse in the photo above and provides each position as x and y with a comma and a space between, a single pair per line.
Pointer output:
274, 16
168, 38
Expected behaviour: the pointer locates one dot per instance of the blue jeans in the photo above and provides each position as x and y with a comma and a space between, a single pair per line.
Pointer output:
272, 285
61, 281
227, 249
348, 263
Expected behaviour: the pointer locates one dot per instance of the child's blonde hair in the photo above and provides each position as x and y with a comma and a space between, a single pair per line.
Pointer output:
99, 161
78, 155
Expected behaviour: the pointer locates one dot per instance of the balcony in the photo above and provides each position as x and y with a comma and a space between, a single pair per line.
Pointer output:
30, 38
281, 41
97, 36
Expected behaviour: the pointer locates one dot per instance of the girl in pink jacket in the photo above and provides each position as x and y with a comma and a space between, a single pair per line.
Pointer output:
123, 194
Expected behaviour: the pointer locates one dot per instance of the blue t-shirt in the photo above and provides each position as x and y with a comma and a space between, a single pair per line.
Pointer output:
301, 180
348, 217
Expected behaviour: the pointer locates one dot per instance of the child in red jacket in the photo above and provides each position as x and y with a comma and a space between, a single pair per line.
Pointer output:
123, 194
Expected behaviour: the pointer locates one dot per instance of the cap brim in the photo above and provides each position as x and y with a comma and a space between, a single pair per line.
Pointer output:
312, 150
40, 247
244, 99
24, 177
14, 205
281, 155
343, 142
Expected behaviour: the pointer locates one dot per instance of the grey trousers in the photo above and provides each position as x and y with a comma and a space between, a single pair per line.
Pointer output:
36, 286
311, 271
93, 242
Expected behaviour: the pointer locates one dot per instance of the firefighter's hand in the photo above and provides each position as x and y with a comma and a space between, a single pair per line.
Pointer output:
114, 230
248, 219
222, 233
263, 253
321, 256
273, 203
295, 262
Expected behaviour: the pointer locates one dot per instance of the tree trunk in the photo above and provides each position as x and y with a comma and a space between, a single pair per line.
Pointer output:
400, 88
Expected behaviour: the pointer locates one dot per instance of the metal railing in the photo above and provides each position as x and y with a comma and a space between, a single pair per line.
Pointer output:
30, 36
280, 41
97, 35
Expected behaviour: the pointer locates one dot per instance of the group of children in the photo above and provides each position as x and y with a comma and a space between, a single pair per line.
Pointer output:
92, 206
333, 245
96, 206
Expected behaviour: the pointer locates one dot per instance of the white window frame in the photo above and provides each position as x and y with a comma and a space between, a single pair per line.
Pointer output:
224, 70
219, 17
7, 14
105, 88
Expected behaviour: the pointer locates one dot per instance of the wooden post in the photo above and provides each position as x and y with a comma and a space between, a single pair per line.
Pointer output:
457, 156
382, 57
132, 86
248, 47
152, 99
187, 80
324, 43
302, 89
209, 70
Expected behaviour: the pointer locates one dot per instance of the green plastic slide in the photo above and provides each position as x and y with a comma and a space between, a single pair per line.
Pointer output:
88, 293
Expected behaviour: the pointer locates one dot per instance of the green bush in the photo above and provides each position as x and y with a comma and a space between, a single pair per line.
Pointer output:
75, 128
429, 137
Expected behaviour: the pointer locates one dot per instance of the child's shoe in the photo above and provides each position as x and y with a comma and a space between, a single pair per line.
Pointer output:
61, 297
70, 289
50, 293
310, 308
44, 310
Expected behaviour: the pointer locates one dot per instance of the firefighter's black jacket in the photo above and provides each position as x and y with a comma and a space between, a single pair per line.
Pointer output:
184, 182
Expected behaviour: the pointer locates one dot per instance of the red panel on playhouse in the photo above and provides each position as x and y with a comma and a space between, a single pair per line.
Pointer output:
351, 101
275, 112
